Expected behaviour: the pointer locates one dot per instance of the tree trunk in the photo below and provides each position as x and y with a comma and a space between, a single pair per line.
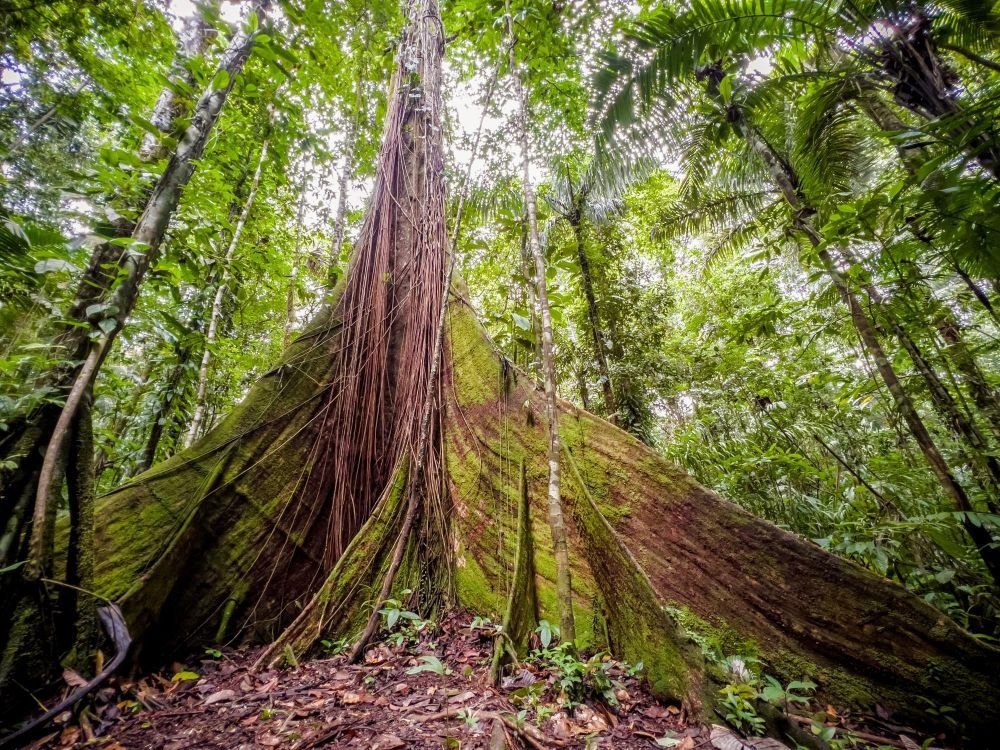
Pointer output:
50, 432
912, 158
946, 324
596, 334
350, 144
557, 523
198, 420
163, 410
216, 524
925, 85
293, 277
195, 38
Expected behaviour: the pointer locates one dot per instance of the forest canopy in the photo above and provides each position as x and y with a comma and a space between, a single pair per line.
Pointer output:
502, 298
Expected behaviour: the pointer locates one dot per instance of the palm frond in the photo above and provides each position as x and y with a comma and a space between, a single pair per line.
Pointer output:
830, 145
664, 48
712, 213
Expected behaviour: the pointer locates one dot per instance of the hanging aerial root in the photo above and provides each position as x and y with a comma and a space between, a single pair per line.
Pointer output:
337, 607
385, 359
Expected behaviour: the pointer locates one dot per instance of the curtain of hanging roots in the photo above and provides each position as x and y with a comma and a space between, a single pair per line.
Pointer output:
388, 312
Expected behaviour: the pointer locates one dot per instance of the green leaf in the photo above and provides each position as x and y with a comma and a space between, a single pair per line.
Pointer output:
185, 676
726, 88
430, 664
391, 617
221, 79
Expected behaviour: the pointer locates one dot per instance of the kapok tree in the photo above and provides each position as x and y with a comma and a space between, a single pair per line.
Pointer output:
373, 460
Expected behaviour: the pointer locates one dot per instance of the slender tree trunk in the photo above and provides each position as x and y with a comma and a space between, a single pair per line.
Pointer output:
977, 453
596, 333
350, 144
293, 277
983, 395
581, 384
945, 322
163, 410
195, 38
198, 420
557, 523
977, 292
146, 239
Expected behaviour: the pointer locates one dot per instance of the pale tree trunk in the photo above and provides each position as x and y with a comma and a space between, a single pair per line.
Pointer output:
293, 278
198, 420
784, 179
350, 144
147, 238
557, 523
195, 38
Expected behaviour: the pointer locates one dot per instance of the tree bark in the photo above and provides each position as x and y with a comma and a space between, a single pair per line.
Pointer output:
213, 525
293, 277
195, 38
53, 430
596, 333
557, 523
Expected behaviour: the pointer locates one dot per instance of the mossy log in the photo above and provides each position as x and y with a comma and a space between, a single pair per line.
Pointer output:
214, 540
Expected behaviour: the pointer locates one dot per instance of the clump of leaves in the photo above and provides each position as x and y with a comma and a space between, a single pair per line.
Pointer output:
430, 664
403, 625
787, 696
469, 717
336, 647
485, 625
738, 701
579, 679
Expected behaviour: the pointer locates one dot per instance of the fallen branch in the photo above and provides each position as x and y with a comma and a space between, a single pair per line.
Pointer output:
114, 625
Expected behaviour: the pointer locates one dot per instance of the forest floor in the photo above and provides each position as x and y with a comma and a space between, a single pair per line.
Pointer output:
429, 689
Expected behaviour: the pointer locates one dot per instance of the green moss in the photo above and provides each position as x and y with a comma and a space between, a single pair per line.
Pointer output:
614, 513
715, 641
478, 372
473, 588
638, 627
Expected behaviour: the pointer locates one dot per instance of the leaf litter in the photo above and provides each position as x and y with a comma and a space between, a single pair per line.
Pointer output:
432, 691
